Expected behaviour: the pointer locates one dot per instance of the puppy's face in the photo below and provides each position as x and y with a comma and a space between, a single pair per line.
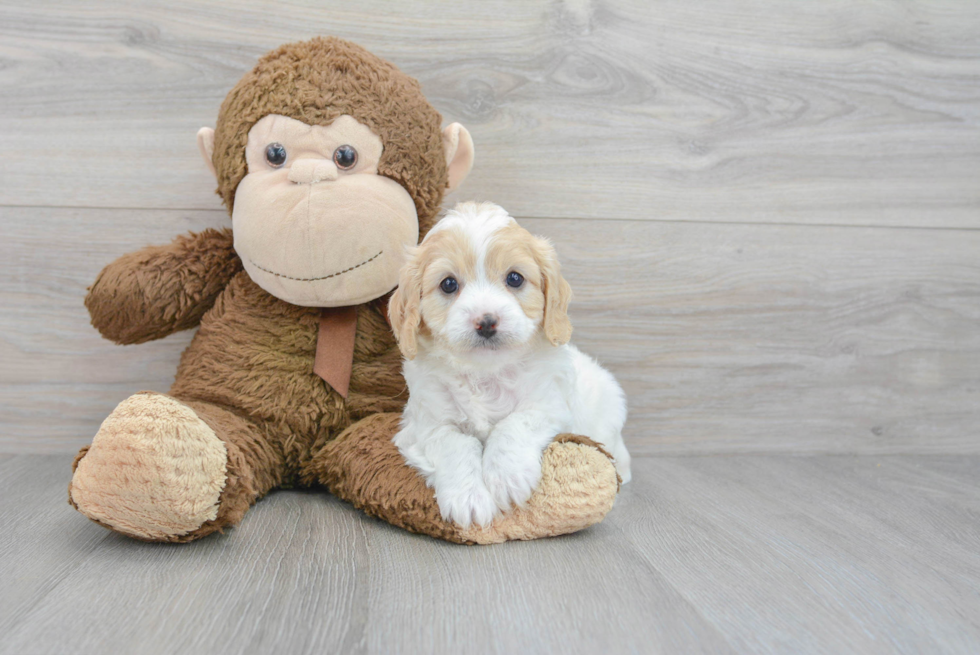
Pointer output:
480, 287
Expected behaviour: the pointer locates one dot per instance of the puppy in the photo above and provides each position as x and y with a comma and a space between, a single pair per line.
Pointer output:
480, 316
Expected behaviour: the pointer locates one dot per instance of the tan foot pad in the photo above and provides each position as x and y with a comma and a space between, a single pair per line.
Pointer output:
155, 470
577, 489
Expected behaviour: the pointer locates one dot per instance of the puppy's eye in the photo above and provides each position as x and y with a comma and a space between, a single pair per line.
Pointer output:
345, 157
275, 154
449, 285
514, 279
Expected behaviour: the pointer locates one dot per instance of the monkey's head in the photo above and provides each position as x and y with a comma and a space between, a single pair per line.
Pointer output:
330, 161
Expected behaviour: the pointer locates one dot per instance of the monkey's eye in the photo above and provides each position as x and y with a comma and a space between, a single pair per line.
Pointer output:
345, 157
449, 285
514, 279
275, 154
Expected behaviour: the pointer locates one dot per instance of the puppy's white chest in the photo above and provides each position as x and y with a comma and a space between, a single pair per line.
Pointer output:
484, 401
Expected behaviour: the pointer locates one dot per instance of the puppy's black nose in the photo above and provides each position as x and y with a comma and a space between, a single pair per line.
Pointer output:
487, 326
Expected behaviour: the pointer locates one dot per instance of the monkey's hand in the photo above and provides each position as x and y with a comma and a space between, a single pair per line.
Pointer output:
159, 290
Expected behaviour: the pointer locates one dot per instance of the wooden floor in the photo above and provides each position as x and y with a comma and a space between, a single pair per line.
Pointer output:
749, 553
769, 212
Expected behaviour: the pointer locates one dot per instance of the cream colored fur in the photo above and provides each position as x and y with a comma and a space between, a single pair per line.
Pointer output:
313, 234
304, 256
154, 470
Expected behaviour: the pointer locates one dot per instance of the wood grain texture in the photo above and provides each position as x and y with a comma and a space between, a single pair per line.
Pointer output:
701, 554
857, 113
38, 548
59, 378
817, 554
768, 212
726, 338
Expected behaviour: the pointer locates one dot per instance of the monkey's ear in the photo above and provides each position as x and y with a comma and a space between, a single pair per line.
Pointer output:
458, 146
205, 143
404, 307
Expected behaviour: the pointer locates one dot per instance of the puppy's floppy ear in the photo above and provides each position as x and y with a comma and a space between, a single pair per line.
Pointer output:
404, 308
557, 294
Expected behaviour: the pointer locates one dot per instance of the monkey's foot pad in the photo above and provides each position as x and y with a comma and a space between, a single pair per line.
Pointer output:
154, 470
577, 489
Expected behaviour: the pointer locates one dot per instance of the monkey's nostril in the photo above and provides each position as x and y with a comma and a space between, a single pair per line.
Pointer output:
486, 327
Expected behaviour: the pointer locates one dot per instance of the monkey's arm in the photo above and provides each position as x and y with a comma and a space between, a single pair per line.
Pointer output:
160, 290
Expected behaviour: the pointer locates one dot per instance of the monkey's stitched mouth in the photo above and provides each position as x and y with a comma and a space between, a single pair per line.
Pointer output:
322, 277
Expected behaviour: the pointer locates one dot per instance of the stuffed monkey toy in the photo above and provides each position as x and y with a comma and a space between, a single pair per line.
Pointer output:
330, 161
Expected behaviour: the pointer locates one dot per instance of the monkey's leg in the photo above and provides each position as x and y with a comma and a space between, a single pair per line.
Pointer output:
577, 489
161, 469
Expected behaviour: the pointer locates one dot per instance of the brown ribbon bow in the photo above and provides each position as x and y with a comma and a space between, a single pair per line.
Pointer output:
335, 344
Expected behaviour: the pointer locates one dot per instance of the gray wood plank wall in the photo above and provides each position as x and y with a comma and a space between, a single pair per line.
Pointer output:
769, 211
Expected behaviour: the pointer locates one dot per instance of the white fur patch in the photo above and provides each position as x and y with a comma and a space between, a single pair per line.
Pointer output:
478, 419
479, 220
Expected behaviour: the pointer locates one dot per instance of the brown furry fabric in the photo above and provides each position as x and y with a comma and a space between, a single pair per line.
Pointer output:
254, 353
160, 290
248, 373
253, 468
315, 82
364, 466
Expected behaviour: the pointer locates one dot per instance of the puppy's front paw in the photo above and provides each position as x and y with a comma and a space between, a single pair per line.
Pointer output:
511, 477
466, 504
